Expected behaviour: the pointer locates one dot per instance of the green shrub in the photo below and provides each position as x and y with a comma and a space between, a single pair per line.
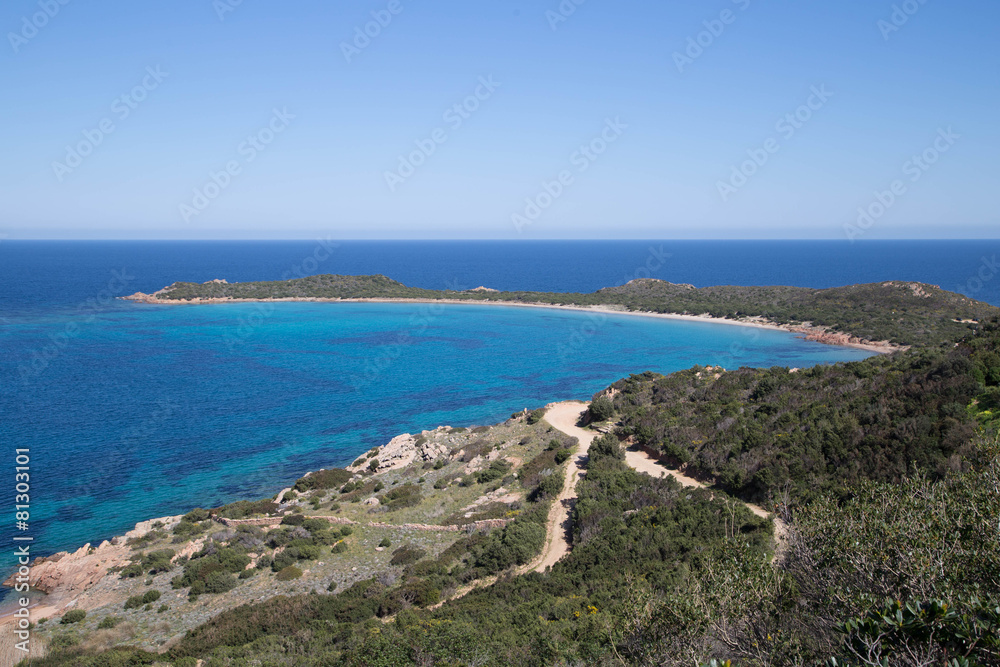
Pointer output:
535, 416
322, 480
339, 548
385, 543
158, 561
109, 622
406, 555
496, 471
282, 560
407, 495
73, 616
601, 409
242, 509
289, 573
132, 570
292, 520
196, 515
562, 455
219, 582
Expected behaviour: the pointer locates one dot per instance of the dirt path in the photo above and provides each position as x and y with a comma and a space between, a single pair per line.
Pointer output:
564, 417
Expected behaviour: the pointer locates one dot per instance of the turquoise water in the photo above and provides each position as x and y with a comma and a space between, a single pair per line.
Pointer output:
151, 410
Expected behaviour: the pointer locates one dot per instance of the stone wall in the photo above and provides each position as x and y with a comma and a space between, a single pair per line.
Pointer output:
485, 524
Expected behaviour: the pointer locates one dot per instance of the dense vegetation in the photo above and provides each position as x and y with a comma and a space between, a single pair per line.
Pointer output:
902, 312
761, 433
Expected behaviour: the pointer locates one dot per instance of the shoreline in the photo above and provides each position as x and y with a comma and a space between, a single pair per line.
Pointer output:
806, 331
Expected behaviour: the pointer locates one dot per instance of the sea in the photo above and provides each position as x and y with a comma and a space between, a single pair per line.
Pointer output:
129, 411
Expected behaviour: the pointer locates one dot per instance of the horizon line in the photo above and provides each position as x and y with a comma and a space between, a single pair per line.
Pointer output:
498, 240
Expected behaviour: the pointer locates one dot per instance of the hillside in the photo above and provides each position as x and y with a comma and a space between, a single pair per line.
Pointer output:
901, 313
761, 432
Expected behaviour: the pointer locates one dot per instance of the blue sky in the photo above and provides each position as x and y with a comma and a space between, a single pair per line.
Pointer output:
312, 133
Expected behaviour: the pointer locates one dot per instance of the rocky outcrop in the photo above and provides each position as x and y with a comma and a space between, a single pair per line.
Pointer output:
66, 575
404, 449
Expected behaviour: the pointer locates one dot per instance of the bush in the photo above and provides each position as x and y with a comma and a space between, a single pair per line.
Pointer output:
109, 622
158, 561
323, 479
496, 471
385, 543
73, 616
282, 560
562, 455
196, 515
549, 487
339, 548
373, 465
602, 409
241, 509
292, 520
137, 601
406, 495
316, 525
289, 573
132, 570
220, 582
407, 554
535, 416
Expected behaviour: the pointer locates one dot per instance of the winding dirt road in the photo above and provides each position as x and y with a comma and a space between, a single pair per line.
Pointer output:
564, 416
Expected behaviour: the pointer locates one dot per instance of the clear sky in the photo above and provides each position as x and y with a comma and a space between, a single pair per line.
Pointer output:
116, 114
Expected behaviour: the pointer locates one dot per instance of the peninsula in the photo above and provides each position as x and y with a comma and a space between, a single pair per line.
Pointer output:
884, 315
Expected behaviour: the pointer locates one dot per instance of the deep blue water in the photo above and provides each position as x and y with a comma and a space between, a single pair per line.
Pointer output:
133, 411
